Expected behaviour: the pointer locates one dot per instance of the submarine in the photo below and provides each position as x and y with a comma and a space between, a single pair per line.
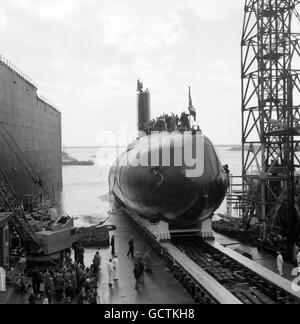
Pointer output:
154, 179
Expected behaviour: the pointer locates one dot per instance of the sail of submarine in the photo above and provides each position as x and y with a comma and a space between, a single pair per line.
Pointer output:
165, 188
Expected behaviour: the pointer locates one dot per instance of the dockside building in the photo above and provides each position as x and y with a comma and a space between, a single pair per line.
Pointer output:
35, 126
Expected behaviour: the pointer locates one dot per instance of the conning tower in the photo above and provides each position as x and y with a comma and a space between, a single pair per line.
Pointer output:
143, 106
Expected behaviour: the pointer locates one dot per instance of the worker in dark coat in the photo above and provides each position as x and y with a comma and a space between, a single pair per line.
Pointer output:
31, 298
59, 288
141, 265
131, 247
137, 274
112, 243
81, 255
148, 262
69, 291
75, 247
96, 264
36, 281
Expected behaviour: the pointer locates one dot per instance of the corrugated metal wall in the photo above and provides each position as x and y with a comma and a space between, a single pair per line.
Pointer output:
36, 127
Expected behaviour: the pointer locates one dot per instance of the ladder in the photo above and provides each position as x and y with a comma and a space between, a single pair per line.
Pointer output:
9, 199
28, 166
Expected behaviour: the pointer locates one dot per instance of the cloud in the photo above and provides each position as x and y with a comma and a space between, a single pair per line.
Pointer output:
133, 25
221, 70
87, 54
3, 20
55, 10
139, 26
213, 10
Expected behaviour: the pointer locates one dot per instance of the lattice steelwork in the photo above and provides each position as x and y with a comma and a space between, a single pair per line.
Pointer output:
271, 117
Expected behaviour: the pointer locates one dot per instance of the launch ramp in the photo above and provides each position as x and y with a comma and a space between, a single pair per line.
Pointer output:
267, 275
218, 294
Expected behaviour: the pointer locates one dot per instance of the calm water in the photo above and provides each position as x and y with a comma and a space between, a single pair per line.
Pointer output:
85, 194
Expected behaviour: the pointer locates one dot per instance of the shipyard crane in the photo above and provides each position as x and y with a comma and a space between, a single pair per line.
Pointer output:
270, 121
62, 233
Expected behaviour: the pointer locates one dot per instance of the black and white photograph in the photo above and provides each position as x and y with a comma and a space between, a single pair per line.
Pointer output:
149, 155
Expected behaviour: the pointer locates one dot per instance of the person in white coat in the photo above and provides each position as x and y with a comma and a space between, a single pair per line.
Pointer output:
280, 263
110, 270
115, 263
46, 301
2, 280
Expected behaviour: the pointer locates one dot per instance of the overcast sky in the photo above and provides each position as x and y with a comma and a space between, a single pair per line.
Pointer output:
86, 56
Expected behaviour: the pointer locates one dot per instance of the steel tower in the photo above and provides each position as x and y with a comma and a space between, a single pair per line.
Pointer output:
271, 119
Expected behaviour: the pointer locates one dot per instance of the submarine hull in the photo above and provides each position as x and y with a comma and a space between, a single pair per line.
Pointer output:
161, 192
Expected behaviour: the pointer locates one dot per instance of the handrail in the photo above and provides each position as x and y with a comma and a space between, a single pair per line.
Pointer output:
7, 63
48, 102
4, 61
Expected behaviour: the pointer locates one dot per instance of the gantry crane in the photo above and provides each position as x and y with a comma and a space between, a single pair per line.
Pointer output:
271, 120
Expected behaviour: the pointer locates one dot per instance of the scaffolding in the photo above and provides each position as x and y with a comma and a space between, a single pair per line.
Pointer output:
270, 118
234, 197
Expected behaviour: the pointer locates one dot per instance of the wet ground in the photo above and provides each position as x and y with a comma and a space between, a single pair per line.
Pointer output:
160, 287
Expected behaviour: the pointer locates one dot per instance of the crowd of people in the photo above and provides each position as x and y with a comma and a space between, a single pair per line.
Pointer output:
169, 123
74, 283
70, 283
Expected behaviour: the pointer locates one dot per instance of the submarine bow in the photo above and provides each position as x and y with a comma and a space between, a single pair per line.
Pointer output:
162, 191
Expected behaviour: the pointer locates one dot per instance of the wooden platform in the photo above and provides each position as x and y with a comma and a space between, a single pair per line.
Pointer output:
186, 231
261, 271
209, 284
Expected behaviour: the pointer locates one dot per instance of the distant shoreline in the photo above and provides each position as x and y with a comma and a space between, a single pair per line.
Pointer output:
91, 147
239, 148
98, 147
